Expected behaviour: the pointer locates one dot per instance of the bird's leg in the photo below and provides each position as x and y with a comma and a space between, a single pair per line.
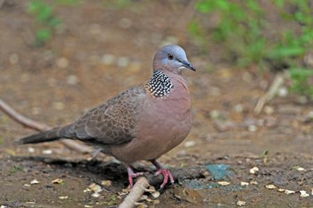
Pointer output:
165, 172
132, 175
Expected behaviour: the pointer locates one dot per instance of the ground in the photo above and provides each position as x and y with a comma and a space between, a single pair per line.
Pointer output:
102, 50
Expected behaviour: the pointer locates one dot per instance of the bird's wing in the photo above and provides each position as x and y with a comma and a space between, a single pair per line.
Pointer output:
113, 122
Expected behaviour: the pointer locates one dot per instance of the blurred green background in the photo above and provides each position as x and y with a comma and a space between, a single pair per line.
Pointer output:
275, 34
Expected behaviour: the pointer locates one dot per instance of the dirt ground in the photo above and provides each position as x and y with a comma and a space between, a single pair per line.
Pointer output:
254, 160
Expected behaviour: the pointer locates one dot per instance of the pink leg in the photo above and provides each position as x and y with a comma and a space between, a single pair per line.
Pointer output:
165, 172
132, 175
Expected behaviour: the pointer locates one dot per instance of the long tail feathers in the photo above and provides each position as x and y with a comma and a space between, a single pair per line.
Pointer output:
46, 136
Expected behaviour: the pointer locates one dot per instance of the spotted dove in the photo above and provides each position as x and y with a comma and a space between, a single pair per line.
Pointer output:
141, 123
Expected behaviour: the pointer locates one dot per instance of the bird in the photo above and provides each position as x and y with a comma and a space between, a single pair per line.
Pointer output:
141, 123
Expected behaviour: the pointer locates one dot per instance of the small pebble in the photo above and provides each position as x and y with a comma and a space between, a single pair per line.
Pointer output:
122, 62
223, 183
269, 110
243, 183
108, 59
72, 80
304, 194
241, 203
270, 186
33, 182
282, 92
238, 108
62, 63
254, 170
63, 197
26, 185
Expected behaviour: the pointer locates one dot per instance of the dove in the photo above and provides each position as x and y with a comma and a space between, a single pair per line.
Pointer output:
141, 123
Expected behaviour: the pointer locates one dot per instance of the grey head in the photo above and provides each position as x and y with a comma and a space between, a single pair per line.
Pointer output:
172, 58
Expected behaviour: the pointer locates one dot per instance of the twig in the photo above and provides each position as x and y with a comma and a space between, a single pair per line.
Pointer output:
135, 193
270, 94
40, 127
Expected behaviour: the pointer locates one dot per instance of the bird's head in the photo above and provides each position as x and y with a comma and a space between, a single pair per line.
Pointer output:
172, 58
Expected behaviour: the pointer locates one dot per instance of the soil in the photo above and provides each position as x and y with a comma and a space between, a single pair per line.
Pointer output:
104, 48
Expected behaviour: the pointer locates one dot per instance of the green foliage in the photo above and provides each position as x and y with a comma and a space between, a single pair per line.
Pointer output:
44, 14
301, 78
243, 30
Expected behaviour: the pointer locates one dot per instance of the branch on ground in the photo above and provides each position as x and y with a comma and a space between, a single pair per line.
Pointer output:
26, 122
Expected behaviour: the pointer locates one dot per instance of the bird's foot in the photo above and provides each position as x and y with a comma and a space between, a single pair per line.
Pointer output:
167, 175
132, 175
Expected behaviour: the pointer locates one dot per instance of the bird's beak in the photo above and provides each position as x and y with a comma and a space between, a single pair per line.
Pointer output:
188, 65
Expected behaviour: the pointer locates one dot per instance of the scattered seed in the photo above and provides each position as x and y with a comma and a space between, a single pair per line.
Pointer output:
33, 182
122, 62
281, 190
241, 203
62, 63
2, 206
300, 169
304, 194
106, 183
26, 185
156, 194
254, 170
63, 197
95, 195
95, 188
253, 182
289, 192
282, 92
88, 206
57, 181
47, 152
151, 189
270, 186
31, 150
252, 128
243, 183
223, 183
190, 143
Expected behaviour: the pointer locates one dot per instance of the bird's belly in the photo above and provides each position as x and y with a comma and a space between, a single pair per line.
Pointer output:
159, 131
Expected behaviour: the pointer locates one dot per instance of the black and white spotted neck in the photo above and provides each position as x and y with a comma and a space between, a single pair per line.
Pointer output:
160, 84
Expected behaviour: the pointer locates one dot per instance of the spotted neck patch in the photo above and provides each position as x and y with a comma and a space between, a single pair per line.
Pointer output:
160, 84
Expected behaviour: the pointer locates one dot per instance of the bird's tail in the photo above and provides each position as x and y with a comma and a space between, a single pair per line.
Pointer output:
46, 136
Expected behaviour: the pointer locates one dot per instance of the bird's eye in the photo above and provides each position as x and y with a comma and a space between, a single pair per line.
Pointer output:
170, 57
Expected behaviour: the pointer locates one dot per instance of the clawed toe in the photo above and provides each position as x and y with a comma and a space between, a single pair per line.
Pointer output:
132, 175
167, 176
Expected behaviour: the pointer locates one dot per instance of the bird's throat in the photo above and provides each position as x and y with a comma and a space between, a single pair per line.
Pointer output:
160, 84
